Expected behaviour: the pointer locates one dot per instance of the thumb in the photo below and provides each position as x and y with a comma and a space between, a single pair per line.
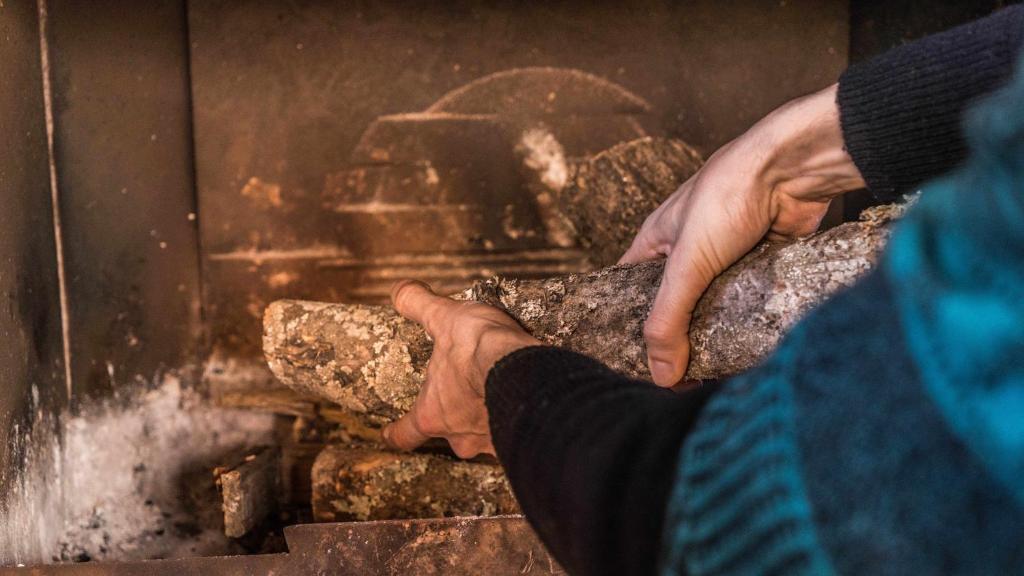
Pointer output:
417, 302
666, 330
404, 434
640, 250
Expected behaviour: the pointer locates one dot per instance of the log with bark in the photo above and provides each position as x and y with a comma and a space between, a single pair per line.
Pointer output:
371, 361
610, 194
369, 484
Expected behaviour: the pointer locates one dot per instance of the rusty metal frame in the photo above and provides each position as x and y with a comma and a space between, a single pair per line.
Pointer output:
449, 546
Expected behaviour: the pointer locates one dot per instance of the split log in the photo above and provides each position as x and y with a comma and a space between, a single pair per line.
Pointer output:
371, 361
355, 484
248, 490
611, 193
600, 202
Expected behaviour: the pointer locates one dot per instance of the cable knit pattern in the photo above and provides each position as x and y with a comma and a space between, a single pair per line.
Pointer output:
739, 506
957, 262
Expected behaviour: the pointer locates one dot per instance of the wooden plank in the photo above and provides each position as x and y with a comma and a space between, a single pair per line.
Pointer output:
249, 490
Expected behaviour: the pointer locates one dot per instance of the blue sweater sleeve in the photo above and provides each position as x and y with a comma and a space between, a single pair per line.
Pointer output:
834, 457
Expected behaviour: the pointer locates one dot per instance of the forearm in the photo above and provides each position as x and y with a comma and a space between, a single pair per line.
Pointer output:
901, 111
590, 455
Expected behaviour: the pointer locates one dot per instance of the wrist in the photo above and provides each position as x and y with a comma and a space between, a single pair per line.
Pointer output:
808, 160
502, 346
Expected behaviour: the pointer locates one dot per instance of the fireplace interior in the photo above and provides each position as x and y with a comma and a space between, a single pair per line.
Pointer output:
175, 166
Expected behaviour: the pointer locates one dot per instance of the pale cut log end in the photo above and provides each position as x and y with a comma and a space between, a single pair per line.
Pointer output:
367, 359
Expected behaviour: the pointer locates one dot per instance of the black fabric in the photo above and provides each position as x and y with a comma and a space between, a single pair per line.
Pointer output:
590, 455
901, 111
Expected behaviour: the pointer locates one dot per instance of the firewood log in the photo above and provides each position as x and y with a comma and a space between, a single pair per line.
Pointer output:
610, 194
371, 361
355, 484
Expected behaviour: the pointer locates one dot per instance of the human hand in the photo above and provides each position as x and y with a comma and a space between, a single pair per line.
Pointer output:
775, 181
469, 338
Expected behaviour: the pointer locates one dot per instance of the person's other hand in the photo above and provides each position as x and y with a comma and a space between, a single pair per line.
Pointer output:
775, 180
469, 338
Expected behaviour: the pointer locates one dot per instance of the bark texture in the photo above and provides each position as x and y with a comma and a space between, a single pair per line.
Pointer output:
371, 361
367, 484
611, 193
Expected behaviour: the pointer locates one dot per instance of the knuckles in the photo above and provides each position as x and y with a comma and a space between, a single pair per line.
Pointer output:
428, 423
658, 332
464, 448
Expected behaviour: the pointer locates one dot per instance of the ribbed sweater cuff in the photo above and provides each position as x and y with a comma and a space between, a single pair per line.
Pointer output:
901, 111
520, 384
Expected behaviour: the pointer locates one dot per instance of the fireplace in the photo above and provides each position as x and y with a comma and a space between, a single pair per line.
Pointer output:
176, 166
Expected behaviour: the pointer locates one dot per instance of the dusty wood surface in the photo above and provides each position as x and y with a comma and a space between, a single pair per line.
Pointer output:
309, 408
462, 546
440, 546
611, 193
370, 484
249, 490
371, 361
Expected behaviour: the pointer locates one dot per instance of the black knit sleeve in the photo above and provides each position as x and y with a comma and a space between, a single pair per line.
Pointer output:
901, 111
590, 455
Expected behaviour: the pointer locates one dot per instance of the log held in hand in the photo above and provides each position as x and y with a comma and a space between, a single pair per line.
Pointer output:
371, 361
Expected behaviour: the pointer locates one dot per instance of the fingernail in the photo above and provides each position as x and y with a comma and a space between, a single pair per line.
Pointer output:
397, 287
663, 373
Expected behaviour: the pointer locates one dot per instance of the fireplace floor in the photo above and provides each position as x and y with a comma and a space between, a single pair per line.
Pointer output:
129, 489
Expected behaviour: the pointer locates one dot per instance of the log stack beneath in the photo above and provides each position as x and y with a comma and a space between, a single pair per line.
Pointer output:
370, 484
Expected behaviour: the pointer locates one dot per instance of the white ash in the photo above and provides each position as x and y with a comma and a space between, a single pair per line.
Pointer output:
128, 479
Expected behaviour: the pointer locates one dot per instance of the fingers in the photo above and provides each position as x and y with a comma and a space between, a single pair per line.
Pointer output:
470, 445
417, 302
404, 433
639, 251
660, 228
666, 330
